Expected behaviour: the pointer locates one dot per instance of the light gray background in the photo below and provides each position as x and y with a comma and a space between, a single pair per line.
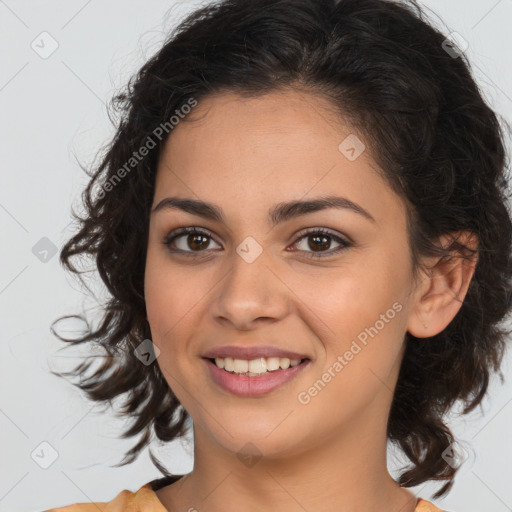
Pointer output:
54, 108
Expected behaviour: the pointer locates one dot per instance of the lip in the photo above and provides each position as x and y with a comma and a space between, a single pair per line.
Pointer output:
246, 386
249, 353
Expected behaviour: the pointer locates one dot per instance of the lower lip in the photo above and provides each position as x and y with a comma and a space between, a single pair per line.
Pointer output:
243, 385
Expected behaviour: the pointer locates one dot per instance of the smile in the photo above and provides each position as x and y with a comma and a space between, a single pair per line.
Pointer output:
255, 367
253, 377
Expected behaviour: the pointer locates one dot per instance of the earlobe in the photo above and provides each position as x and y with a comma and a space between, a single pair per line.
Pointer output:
440, 295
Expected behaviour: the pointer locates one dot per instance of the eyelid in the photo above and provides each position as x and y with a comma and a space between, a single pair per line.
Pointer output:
327, 231
177, 233
344, 241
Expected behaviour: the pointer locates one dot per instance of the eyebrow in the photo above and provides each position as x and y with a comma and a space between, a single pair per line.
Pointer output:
280, 212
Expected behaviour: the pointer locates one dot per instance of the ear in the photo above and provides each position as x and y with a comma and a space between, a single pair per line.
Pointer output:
440, 294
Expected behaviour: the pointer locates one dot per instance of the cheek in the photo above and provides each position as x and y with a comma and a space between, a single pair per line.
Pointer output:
161, 290
349, 299
369, 331
361, 312
173, 295
166, 308
362, 347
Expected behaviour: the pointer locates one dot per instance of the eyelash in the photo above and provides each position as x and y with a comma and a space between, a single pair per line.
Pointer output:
345, 244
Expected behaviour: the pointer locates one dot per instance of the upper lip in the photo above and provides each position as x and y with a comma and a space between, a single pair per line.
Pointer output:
249, 353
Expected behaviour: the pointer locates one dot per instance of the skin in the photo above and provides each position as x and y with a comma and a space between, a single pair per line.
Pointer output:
245, 155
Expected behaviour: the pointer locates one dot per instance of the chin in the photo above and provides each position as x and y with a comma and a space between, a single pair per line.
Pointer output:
246, 439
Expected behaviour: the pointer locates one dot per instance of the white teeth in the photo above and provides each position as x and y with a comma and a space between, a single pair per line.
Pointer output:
284, 363
273, 363
240, 366
257, 365
254, 367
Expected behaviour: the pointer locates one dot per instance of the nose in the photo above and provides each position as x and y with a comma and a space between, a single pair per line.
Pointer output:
249, 294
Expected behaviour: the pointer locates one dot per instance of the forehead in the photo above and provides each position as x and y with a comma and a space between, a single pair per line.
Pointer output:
267, 149
268, 119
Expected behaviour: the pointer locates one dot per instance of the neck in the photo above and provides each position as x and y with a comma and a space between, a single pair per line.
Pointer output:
347, 472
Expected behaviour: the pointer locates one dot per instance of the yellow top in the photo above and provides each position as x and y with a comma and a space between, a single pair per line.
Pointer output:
146, 500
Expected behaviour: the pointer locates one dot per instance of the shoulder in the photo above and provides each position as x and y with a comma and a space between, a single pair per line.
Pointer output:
426, 506
142, 500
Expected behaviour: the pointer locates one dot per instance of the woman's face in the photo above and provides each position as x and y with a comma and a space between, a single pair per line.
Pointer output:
261, 275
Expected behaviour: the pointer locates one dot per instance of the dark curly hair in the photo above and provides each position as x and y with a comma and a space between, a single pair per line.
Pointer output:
396, 78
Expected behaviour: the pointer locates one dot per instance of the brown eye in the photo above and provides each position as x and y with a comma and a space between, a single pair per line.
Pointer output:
319, 242
197, 242
188, 240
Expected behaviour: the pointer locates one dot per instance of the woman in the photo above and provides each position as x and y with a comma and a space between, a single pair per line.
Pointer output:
302, 222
